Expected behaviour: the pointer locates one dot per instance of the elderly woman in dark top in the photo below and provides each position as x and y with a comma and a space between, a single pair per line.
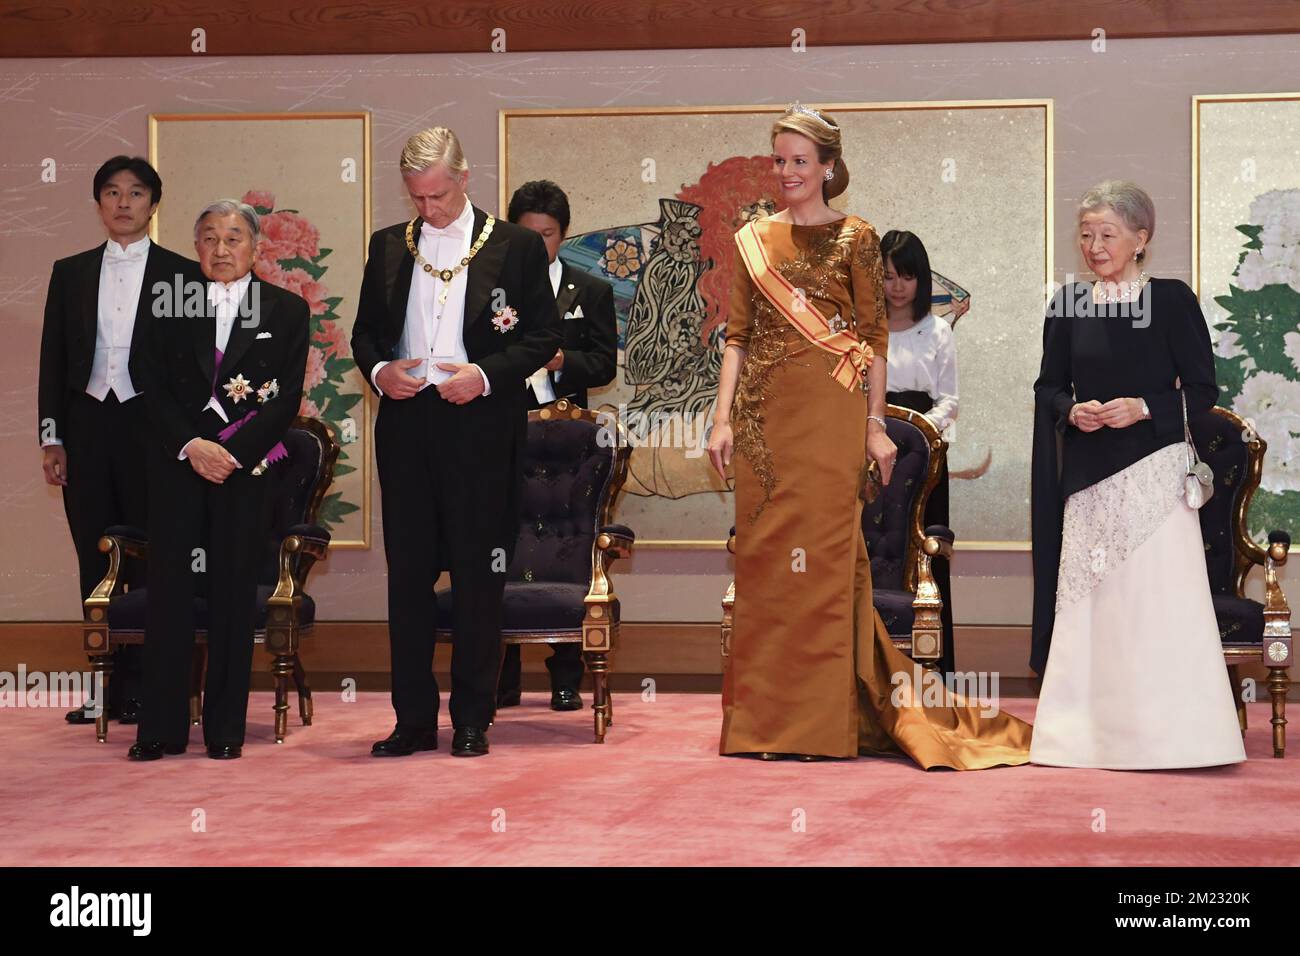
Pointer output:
1135, 677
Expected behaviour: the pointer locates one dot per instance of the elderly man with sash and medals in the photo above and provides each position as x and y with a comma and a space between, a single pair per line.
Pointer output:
455, 312
222, 389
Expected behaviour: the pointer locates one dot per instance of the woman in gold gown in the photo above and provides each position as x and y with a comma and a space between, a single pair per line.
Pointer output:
812, 671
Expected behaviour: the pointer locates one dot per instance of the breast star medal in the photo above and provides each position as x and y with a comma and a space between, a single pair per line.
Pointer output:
238, 389
505, 319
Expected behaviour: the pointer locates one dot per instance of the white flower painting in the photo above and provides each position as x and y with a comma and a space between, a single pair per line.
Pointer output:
1257, 350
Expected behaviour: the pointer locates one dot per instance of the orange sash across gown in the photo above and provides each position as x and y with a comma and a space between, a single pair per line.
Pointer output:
812, 669
855, 356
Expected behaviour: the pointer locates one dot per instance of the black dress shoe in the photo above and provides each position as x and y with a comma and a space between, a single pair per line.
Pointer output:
130, 712
469, 742
565, 699
225, 751
509, 698
85, 714
153, 751
402, 742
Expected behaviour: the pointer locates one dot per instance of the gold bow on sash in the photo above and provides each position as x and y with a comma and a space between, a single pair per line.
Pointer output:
855, 355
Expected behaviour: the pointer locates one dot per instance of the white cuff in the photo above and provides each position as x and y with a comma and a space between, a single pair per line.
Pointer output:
374, 376
487, 386
52, 442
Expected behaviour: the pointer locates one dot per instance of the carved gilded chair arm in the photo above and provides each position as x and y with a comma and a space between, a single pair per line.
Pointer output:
927, 603
118, 542
308, 543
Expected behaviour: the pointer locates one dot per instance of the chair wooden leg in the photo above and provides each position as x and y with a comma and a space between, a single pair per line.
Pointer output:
1278, 683
281, 670
101, 669
305, 711
600, 704
1234, 676
197, 661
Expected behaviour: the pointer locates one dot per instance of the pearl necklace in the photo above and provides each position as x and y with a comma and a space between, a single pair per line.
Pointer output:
1099, 293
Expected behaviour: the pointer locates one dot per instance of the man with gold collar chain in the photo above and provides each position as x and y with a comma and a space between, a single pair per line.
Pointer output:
455, 312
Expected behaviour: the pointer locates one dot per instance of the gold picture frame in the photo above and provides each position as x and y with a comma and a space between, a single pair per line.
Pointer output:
301, 164
514, 170
1234, 160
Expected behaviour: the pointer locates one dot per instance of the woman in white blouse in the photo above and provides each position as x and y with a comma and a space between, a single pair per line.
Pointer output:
922, 376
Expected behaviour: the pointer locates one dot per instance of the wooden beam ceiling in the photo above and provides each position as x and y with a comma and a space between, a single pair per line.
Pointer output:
125, 28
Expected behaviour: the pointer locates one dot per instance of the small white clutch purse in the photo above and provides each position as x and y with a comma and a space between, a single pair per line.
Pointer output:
1198, 486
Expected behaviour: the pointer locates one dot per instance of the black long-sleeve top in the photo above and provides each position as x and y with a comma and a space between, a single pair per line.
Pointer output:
1098, 351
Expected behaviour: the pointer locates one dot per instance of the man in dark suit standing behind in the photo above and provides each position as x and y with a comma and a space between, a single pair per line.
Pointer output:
223, 381
91, 417
455, 312
586, 358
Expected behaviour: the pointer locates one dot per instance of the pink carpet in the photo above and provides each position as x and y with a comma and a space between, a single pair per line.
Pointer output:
655, 794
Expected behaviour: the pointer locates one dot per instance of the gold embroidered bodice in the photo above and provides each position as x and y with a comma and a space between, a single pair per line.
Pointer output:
838, 267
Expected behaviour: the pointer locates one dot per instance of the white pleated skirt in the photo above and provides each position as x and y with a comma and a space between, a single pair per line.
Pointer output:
1135, 678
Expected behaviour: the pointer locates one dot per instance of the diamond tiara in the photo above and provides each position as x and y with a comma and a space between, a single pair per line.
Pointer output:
809, 111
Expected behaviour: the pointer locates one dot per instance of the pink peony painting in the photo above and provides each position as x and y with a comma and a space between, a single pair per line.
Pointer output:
290, 256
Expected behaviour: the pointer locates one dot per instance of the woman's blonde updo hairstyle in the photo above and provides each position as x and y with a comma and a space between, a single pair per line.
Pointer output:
825, 132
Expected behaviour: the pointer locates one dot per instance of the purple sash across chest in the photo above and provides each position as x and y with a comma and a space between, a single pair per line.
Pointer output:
277, 452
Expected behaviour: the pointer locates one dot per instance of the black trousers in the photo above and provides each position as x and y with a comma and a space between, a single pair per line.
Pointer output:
107, 484
936, 512
565, 665
448, 478
211, 541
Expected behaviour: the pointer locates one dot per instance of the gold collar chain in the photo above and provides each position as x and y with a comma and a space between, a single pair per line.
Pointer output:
446, 275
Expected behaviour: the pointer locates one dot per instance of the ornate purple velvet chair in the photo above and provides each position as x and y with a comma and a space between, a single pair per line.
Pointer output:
1251, 631
286, 613
558, 588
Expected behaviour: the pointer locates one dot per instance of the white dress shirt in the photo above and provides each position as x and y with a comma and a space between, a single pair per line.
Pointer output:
539, 381
226, 297
924, 359
121, 274
435, 332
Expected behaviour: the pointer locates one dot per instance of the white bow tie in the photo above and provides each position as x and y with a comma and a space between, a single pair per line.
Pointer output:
115, 253
217, 295
452, 231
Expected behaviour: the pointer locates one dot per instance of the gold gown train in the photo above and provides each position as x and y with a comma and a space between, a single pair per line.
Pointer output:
811, 669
